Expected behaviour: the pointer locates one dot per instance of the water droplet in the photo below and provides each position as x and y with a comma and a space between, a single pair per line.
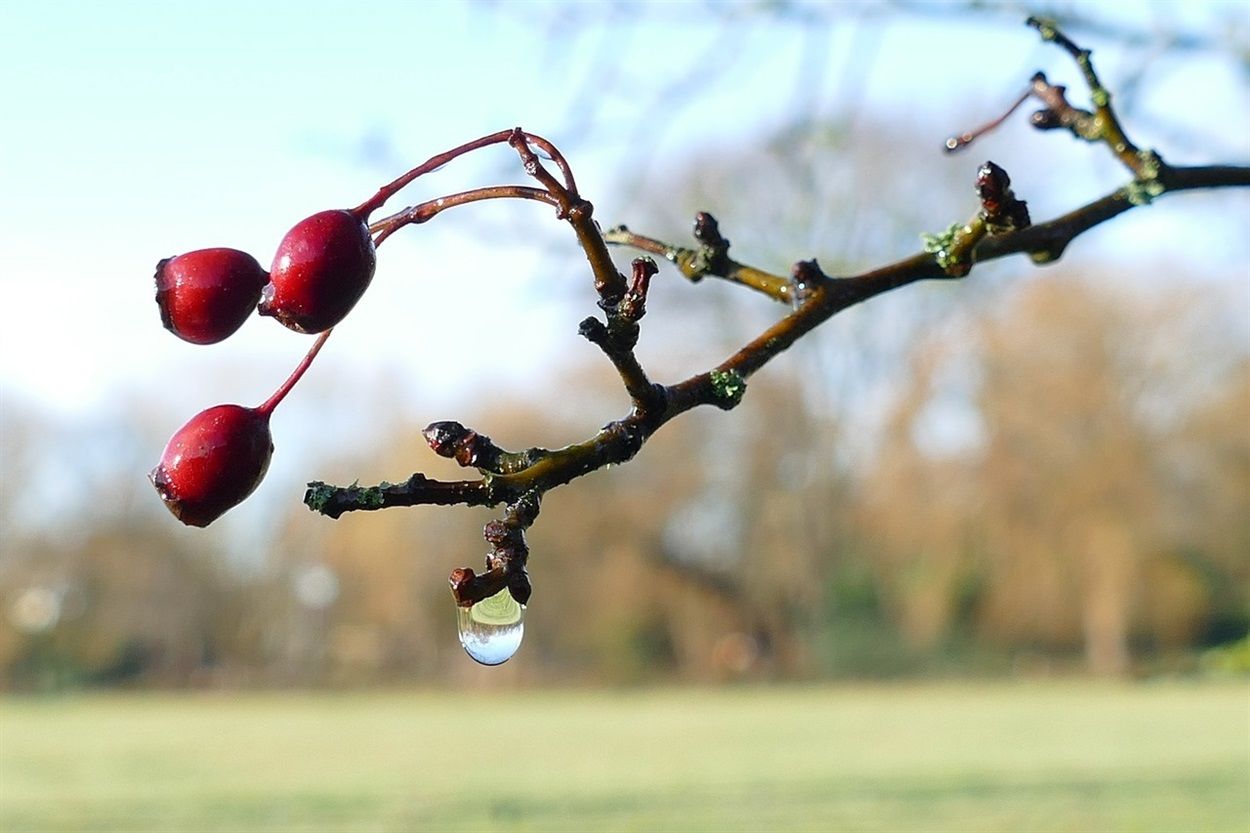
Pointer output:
491, 630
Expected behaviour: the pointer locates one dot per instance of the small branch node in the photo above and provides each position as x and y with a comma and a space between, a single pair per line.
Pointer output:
579, 211
505, 563
713, 254
470, 449
1000, 209
951, 250
464, 445
634, 305
593, 330
707, 231
1059, 113
1148, 184
728, 387
807, 280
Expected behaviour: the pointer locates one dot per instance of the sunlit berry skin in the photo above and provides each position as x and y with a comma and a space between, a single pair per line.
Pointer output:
213, 463
322, 267
206, 295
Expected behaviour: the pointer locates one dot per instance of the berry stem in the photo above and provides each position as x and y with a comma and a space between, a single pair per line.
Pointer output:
553, 153
266, 408
437, 161
425, 211
955, 143
433, 163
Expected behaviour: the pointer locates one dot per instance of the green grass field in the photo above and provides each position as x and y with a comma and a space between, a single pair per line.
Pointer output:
960, 757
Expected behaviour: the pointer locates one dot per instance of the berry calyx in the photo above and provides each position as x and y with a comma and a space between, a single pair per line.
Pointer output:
219, 457
322, 267
206, 295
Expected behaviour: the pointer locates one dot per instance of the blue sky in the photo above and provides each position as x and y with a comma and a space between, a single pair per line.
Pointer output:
138, 130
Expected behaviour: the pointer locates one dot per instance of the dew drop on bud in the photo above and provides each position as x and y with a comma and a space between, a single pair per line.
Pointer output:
491, 630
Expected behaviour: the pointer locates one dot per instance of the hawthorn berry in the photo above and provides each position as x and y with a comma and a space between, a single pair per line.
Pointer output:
214, 462
219, 457
322, 267
204, 296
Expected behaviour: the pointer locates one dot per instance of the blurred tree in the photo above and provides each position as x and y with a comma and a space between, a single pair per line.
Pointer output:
1070, 509
130, 604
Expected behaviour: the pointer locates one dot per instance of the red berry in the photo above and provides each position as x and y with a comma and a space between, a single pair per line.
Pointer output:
206, 295
213, 462
322, 267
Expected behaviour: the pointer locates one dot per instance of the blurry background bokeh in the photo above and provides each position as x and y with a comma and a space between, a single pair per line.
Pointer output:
1030, 472
974, 556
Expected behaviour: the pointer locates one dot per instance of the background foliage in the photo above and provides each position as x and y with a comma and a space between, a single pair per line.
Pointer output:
961, 488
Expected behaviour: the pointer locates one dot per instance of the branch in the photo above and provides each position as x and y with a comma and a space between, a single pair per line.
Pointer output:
822, 298
1000, 227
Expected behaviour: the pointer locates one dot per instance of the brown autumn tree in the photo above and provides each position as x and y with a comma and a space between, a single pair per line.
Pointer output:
1085, 514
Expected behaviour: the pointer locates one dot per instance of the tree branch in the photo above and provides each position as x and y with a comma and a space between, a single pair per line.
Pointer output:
999, 228
722, 386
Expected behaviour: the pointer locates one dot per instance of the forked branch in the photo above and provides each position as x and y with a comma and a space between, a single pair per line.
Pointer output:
1000, 226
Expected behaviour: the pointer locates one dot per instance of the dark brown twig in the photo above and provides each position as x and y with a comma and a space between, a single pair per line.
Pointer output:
710, 258
723, 385
505, 563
